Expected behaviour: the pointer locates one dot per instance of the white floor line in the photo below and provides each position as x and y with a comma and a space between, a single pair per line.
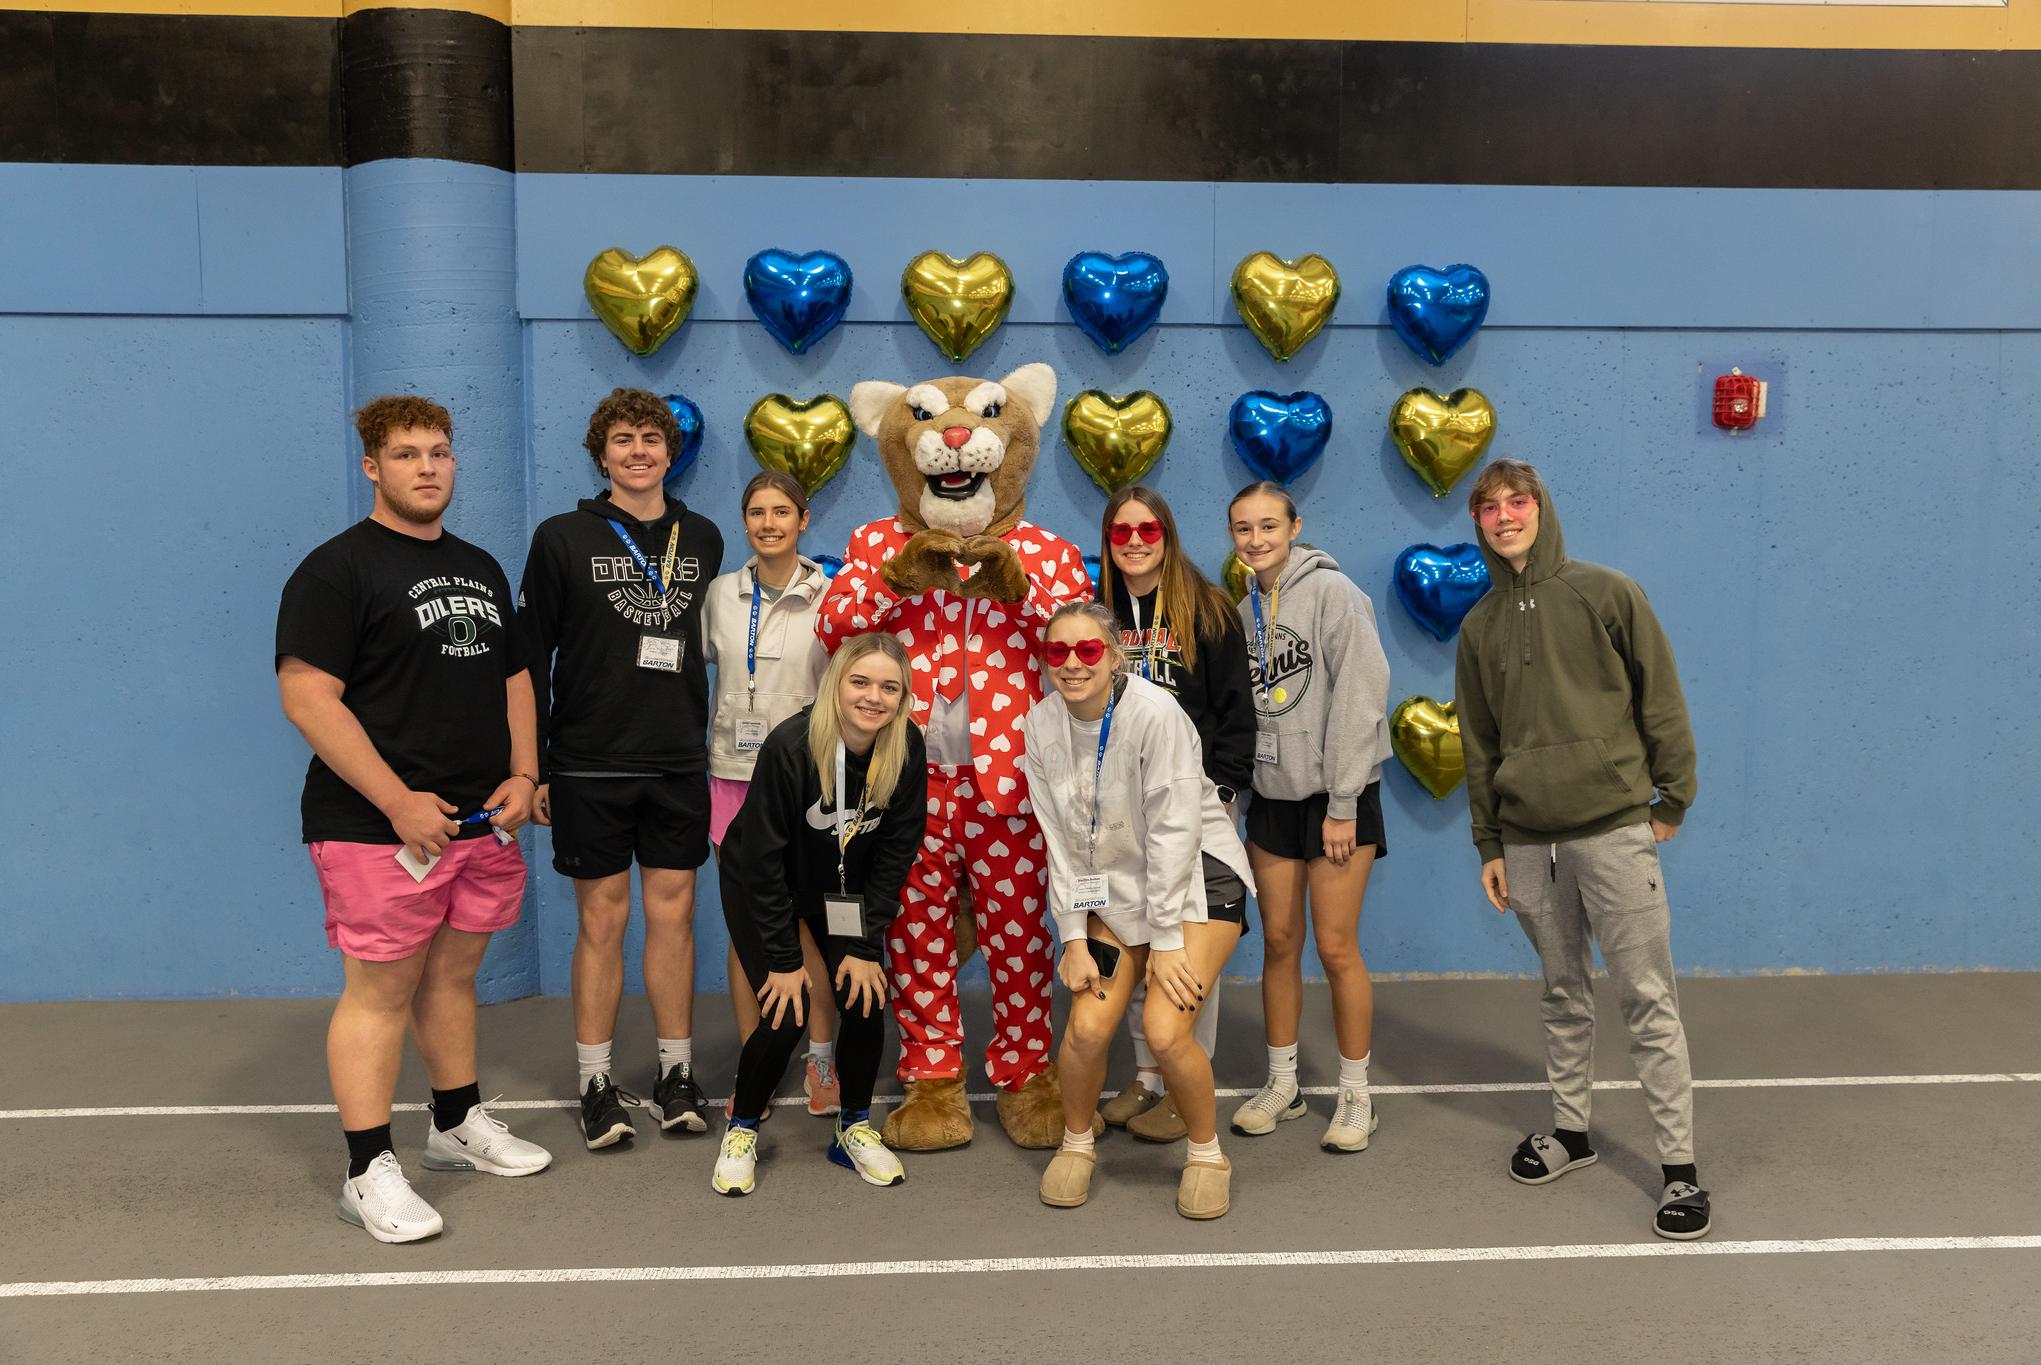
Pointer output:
1007, 1264
1450, 1088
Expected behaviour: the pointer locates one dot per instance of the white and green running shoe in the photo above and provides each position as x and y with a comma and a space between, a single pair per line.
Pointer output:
737, 1164
858, 1148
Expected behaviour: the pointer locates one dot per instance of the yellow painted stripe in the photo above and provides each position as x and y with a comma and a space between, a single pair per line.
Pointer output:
2016, 25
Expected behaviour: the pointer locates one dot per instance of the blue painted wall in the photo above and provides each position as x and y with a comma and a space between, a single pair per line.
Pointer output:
1847, 588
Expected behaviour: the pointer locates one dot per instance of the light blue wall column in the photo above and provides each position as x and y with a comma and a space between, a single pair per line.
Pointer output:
432, 284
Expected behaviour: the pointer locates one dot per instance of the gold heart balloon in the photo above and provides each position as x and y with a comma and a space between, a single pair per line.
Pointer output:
1233, 574
643, 300
1442, 438
1426, 736
957, 303
810, 440
1116, 440
1285, 303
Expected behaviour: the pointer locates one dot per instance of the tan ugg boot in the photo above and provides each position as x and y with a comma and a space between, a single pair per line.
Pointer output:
933, 1117
1205, 1190
1033, 1114
1067, 1182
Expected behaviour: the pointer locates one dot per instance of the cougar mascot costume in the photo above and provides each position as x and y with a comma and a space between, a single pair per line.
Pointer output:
967, 586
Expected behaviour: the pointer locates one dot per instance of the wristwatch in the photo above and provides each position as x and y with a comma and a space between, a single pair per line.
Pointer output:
1226, 795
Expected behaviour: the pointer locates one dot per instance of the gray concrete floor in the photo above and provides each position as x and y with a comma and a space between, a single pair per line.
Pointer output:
147, 1196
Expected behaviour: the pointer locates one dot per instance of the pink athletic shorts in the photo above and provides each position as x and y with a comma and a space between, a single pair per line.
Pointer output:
726, 794
375, 912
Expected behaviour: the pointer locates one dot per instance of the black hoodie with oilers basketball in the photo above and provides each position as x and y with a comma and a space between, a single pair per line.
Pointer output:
1571, 713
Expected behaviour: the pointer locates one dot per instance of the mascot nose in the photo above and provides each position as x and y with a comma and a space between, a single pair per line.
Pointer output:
953, 437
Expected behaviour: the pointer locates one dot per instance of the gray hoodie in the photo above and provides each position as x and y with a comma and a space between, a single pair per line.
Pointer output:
1330, 725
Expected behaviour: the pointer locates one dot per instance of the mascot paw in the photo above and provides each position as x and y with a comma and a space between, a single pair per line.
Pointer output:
933, 1117
1000, 576
927, 561
1033, 1114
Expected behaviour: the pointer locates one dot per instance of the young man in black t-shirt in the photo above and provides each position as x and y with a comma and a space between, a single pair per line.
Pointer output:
612, 598
399, 659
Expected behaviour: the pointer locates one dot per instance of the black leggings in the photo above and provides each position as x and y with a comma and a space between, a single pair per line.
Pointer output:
760, 1067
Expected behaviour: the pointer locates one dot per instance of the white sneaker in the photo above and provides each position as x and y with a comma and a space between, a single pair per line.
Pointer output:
381, 1202
1266, 1108
1353, 1119
858, 1148
737, 1164
482, 1142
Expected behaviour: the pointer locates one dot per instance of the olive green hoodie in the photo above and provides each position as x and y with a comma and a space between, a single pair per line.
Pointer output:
1569, 701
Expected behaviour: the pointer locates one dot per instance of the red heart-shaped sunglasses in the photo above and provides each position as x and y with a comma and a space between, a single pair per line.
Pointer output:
1124, 531
1056, 653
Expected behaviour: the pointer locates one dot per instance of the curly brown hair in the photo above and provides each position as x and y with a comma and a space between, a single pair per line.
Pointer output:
630, 408
396, 412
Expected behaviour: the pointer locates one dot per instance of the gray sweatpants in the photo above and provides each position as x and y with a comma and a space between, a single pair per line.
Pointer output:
1609, 887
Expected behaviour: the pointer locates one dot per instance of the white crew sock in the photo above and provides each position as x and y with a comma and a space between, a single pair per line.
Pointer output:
1353, 1075
1153, 1080
1283, 1069
675, 1052
1077, 1142
1207, 1152
591, 1060
823, 1052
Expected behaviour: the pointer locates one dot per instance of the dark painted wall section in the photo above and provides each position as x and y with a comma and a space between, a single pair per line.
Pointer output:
430, 83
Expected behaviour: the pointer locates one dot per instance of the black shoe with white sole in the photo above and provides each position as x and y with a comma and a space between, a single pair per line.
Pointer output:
603, 1120
1683, 1213
1541, 1159
679, 1102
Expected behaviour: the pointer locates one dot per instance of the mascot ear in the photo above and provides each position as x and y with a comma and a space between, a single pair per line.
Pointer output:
1035, 386
869, 401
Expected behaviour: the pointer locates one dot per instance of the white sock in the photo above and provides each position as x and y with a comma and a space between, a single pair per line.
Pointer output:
823, 1052
1207, 1152
1353, 1075
1283, 1069
675, 1052
1077, 1142
591, 1060
1153, 1080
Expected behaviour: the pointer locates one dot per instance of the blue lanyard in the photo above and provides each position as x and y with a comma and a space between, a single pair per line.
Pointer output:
644, 564
483, 816
1098, 768
1261, 629
751, 643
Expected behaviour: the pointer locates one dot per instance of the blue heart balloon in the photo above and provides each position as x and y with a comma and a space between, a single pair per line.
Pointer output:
1114, 298
1436, 311
1092, 566
1278, 438
832, 565
690, 418
1439, 587
798, 298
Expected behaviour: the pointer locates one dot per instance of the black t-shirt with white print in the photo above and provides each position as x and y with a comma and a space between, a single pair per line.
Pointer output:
424, 635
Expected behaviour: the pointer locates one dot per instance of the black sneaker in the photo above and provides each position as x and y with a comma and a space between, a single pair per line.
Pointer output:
679, 1102
603, 1120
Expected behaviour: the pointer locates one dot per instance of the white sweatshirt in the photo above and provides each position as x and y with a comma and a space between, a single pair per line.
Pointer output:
1157, 812
790, 658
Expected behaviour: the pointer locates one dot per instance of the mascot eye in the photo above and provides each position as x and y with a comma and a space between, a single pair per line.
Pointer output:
919, 413
991, 410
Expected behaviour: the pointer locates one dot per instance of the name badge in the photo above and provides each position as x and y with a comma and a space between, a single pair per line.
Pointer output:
413, 864
659, 651
750, 736
846, 915
1264, 748
1091, 896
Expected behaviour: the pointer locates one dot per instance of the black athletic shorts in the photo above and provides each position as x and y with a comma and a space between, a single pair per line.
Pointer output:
1225, 893
601, 823
1296, 829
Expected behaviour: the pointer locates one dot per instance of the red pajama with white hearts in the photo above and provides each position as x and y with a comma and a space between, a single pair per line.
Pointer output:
1003, 859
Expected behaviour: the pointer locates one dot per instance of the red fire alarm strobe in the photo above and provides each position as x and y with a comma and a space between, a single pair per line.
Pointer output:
1739, 401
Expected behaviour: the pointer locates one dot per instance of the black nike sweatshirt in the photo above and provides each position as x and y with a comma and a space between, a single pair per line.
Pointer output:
781, 848
586, 605
1216, 695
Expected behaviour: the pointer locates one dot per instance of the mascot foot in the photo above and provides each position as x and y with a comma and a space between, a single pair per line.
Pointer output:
933, 1117
1033, 1114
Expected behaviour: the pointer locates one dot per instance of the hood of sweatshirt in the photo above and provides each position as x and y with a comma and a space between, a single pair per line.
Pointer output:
1547, 558
1305, 560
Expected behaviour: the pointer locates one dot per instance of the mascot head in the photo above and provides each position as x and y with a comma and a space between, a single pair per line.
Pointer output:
959, 450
